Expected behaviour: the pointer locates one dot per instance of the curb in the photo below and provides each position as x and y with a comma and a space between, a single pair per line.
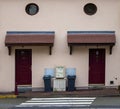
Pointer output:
57, 95
7, 96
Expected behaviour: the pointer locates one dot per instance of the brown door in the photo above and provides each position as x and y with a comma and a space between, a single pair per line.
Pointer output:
96, 66
23, 66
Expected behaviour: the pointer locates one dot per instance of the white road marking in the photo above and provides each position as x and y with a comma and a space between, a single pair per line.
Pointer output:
49, 102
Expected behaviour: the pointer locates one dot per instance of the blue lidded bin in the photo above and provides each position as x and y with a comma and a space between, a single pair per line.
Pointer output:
49, 74
71, 76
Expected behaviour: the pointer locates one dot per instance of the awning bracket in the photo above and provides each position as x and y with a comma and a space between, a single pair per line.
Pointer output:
9, 50
111, 49
50, 50
71, 49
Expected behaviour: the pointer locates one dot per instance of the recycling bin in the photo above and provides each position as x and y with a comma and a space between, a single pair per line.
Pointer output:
71, 82
47, 83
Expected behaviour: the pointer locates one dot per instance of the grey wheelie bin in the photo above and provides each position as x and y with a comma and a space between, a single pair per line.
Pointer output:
49, 74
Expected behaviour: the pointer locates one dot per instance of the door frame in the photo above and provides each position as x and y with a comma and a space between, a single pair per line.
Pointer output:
16, 88
104, 66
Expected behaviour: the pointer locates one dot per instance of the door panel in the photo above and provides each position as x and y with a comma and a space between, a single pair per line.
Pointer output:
23, 67
96, 66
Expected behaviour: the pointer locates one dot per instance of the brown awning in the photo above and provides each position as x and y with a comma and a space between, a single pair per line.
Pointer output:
30, 39
86, 38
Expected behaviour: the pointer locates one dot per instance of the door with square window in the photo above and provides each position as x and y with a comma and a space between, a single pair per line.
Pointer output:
97, 66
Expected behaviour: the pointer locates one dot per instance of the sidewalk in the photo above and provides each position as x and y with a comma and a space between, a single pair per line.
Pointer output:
105, 92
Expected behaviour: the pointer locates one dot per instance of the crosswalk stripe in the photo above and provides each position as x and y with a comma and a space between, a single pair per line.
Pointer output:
44, 102
64, 98
60, 101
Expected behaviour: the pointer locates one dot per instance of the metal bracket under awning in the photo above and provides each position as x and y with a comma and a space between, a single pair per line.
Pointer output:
10, 50
71, 49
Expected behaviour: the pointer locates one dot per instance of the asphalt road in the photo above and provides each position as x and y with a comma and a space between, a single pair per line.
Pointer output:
8, 103
97, 103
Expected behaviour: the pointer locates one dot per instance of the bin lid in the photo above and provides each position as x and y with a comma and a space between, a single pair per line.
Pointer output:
49, 72
70, 71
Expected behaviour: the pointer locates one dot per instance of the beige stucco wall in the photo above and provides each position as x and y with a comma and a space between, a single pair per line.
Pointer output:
59, 16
